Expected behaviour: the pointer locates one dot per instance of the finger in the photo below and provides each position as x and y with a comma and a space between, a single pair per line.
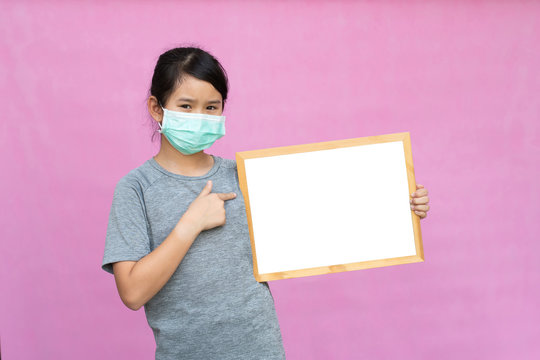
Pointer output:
419, 186
226, 196
421, 214
420, 200
419, 192
207, 188
423, 208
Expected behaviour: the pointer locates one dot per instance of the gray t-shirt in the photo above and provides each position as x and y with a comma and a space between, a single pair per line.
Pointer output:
212, 307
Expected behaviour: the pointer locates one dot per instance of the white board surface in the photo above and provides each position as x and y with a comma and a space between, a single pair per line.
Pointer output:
328, 207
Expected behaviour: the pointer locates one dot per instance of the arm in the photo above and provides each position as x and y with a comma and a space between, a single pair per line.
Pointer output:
139, 281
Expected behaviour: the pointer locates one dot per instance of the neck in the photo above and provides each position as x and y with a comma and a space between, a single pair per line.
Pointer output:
189, 165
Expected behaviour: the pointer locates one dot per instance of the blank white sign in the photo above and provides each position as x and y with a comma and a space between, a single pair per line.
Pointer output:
328, 207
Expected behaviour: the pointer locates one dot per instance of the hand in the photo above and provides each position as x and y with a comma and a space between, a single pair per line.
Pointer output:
207, 210
419, 201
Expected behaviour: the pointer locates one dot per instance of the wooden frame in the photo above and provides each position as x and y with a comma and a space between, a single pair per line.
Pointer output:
389, 157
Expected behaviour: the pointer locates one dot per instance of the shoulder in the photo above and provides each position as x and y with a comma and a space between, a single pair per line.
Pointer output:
138, 179
228, 163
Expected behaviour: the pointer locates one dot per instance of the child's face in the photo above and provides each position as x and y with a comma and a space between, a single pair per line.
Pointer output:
195, 96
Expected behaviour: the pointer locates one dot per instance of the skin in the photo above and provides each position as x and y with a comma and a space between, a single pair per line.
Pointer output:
138, 281
203, 95
419, 201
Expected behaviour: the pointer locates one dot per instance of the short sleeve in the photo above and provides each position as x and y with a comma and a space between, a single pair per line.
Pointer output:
127, 232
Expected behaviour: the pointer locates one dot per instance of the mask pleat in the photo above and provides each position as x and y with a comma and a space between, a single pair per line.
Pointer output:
192, 132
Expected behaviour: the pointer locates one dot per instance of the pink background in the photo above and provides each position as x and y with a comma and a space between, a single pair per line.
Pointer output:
462, 77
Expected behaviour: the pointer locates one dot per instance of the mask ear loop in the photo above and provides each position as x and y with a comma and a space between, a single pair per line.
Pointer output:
161, 127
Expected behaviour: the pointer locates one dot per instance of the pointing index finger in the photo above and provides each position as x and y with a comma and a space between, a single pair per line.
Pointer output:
227, 196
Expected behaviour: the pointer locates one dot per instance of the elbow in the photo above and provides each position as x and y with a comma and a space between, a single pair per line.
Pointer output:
131, 302
130, 291
134, 306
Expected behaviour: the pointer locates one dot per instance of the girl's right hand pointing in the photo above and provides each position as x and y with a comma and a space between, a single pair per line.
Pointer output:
208, 209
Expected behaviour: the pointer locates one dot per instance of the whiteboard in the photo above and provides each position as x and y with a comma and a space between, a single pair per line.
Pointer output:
330, 207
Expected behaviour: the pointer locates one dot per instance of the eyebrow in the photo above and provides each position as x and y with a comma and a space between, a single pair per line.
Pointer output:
192, 100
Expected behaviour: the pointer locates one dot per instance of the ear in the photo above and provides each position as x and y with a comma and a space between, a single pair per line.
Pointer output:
155, 109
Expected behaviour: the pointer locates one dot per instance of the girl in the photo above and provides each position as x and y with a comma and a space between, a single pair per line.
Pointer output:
177, 239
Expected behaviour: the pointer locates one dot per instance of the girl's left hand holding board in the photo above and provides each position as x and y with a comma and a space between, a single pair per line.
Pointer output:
419, 201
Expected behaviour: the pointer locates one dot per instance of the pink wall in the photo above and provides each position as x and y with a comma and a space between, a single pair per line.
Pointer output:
462, 77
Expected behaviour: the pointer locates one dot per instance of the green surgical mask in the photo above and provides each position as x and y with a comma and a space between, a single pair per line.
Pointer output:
191, 132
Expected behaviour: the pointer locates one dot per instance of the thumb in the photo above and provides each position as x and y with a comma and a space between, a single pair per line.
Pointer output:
418, 186
207, 188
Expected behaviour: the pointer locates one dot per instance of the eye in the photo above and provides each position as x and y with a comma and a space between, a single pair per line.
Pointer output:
211, 106
184, 105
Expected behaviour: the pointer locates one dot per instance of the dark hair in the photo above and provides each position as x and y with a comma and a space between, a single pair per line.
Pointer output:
174, 64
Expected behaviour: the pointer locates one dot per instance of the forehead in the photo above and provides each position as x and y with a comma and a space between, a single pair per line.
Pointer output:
195, 88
